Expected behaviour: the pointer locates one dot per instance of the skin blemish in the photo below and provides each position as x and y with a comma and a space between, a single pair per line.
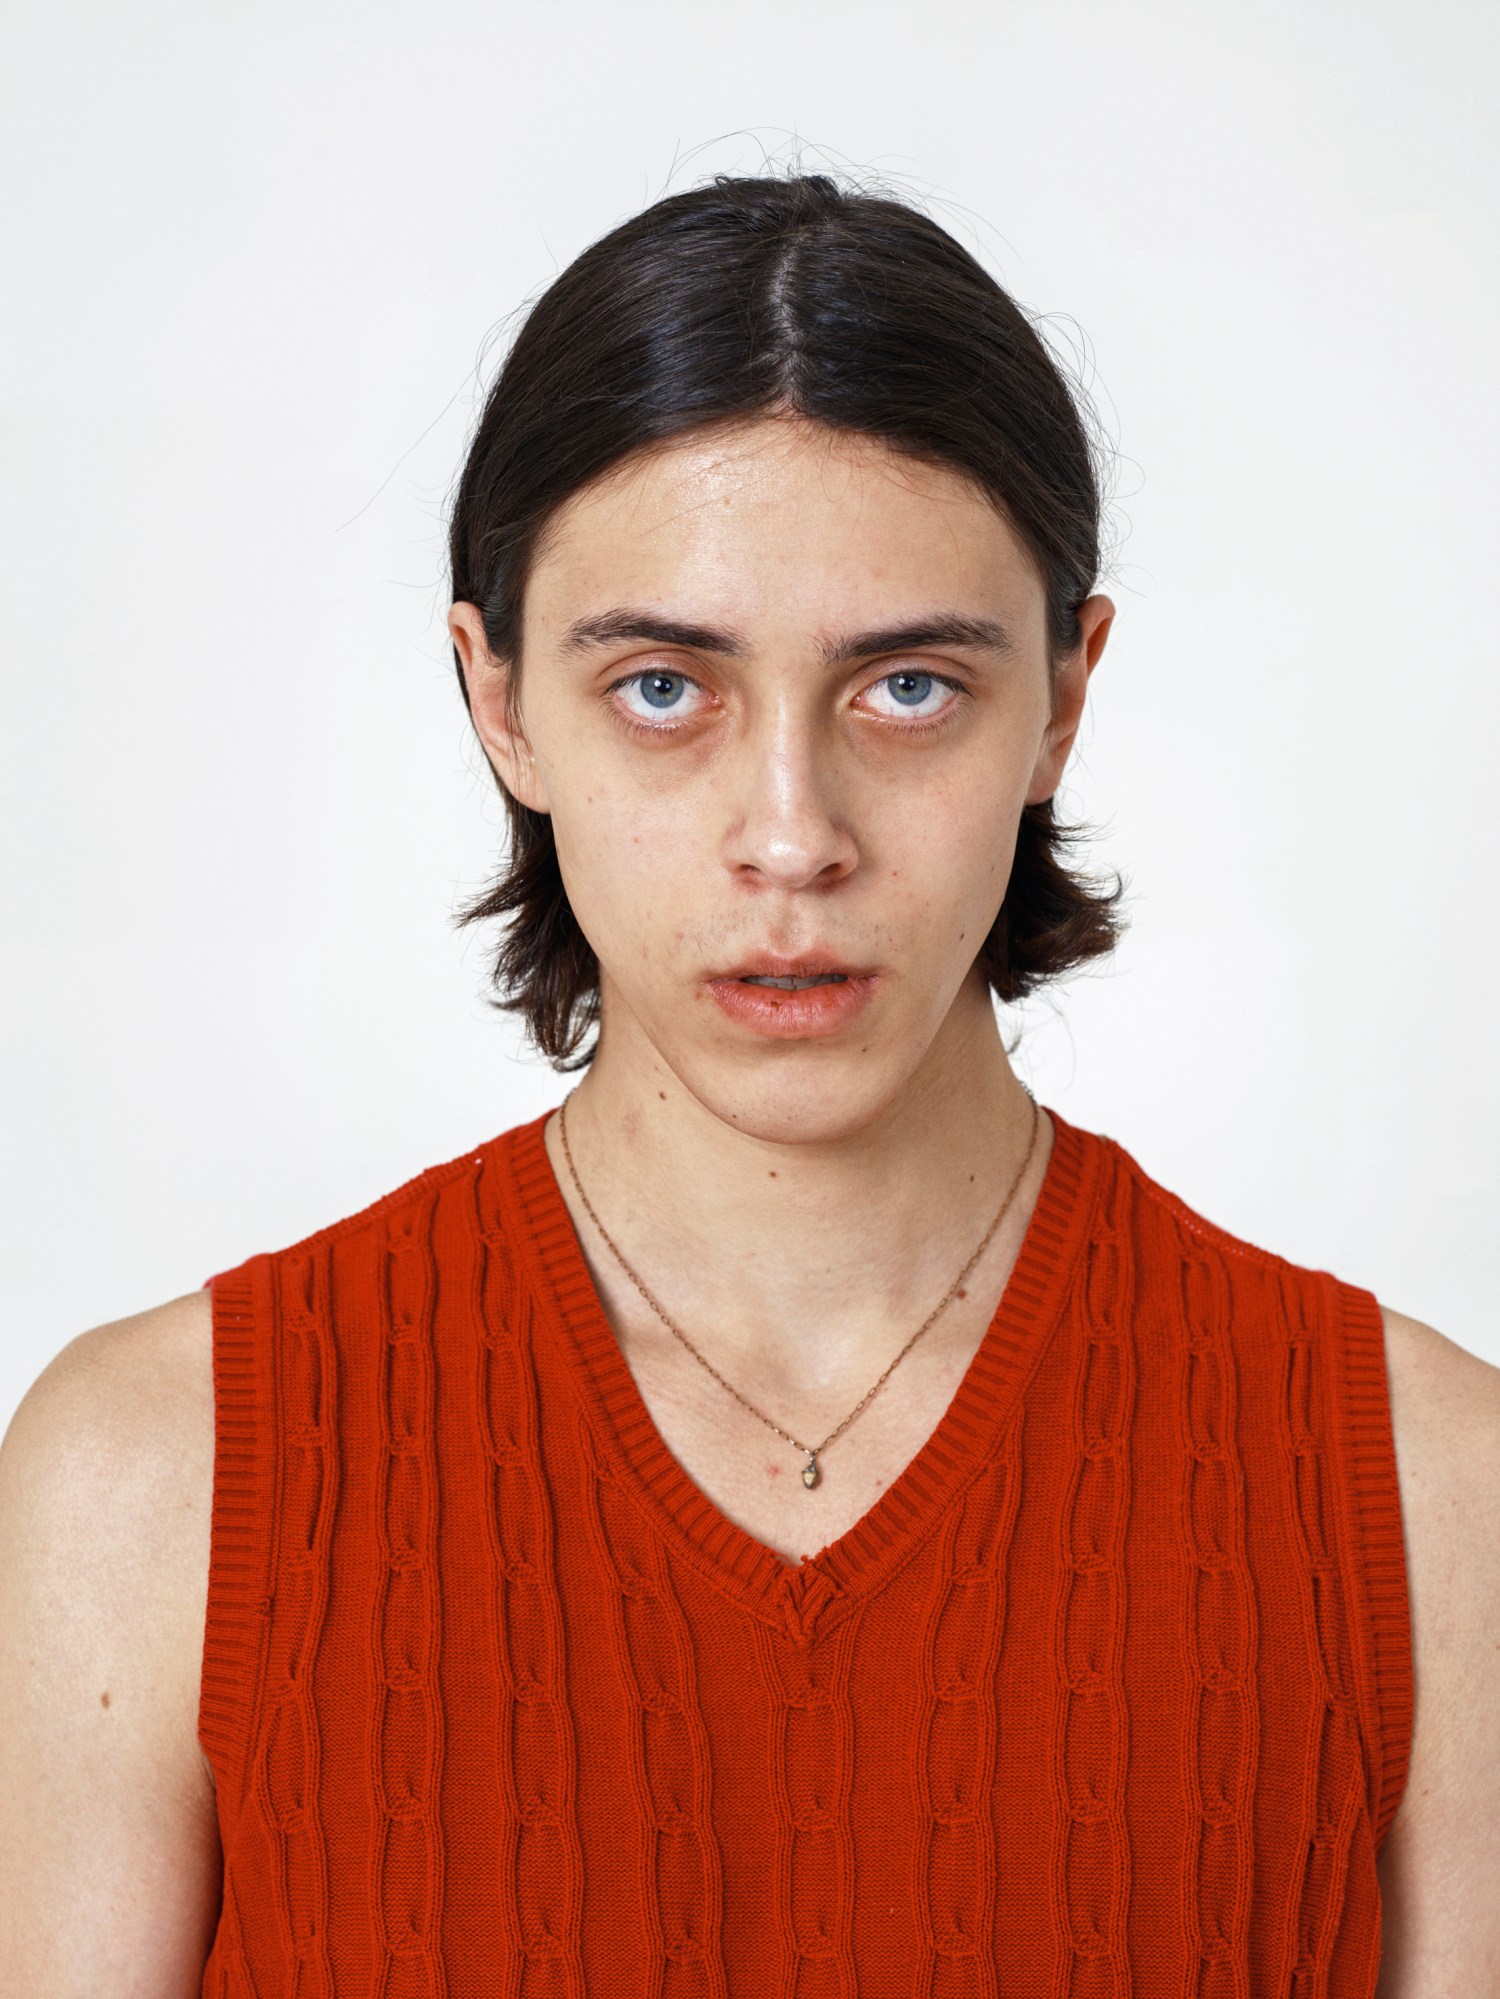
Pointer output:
104, 1698
772, 1171
773, 1471
962, 1293
663, 1095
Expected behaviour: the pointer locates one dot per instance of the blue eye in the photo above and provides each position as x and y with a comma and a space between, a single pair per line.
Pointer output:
927, 698
656, 690
910, 688
661, 689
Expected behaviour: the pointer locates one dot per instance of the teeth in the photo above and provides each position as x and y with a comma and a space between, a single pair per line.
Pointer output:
794, 985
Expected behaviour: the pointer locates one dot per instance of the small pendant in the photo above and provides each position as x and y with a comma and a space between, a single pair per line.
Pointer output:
810, 1472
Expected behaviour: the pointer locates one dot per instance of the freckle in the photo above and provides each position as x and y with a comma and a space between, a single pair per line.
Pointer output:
663, 1095
772, 1171
962, 1292
104, 1699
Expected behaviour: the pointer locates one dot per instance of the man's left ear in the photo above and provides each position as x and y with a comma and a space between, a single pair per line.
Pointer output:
1070, 688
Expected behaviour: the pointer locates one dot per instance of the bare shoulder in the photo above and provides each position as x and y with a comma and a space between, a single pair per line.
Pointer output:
123, 1413
1433, 1376
108, 1834
107, 1466
1441, 1931
133, 1352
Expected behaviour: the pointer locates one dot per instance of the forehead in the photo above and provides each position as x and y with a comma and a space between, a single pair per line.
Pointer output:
782, 515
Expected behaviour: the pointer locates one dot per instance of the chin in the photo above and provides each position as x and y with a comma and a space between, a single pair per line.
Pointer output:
795, 1093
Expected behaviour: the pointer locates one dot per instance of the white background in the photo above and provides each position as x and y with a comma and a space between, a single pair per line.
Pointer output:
251, 258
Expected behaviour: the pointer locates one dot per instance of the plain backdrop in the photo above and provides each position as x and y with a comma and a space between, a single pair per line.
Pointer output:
258, 263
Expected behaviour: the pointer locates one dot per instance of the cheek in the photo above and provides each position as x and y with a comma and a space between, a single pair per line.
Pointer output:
624, 870
958, 844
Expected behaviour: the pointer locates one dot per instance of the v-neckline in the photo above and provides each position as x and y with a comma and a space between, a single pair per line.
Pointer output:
571, 1317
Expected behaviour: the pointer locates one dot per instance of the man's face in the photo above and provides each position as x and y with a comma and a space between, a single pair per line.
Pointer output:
746, 764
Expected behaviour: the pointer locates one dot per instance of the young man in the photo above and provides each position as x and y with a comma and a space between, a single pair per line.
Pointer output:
801, 1518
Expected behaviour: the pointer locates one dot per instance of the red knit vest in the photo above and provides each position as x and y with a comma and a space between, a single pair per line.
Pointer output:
1109, 1692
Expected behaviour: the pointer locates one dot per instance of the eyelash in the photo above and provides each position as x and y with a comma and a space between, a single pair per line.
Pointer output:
658, 730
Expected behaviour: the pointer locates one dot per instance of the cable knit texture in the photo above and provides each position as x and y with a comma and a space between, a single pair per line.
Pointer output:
1109, 1693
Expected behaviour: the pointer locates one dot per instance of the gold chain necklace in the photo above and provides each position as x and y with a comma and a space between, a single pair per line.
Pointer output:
811, 1473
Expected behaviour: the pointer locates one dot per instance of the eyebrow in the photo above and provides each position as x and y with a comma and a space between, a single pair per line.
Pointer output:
945, 628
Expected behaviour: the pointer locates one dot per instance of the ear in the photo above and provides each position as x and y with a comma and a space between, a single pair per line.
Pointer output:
487, 680
1069, 690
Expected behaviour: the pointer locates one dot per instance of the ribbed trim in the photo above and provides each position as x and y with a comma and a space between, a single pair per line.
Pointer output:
242, 1522
1382, 1620
877, 1544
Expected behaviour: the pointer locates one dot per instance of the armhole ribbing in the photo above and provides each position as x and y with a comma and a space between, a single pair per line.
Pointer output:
1381, 1614
241, 1523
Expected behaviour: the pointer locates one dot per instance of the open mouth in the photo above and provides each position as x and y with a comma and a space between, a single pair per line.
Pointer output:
796, 1006
794, 985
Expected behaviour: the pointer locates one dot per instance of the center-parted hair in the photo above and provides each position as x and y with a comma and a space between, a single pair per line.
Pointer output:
751, 297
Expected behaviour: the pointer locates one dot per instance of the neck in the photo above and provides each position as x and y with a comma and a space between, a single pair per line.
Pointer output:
804, 1258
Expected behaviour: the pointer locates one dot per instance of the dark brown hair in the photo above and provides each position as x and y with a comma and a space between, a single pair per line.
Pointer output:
746, 297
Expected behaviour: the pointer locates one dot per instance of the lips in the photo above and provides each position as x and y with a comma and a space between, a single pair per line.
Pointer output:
793, 985
804, 998
807, 966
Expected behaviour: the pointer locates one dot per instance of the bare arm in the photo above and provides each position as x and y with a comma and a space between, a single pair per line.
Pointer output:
109, 1855
1440, 1866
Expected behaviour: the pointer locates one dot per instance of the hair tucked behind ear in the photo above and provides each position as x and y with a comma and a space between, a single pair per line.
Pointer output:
746, 297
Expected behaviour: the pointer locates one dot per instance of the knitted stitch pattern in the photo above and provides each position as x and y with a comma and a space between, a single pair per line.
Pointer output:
1109, 1693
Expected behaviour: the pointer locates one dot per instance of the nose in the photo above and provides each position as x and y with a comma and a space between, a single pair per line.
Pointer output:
786, 826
